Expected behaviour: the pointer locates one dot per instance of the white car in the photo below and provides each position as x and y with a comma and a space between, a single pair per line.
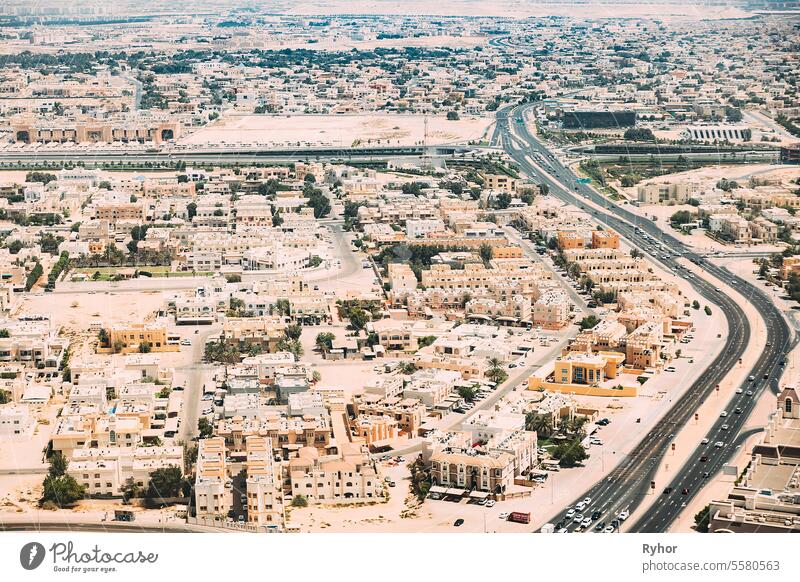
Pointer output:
503, 515
724, 413
186, 342
704, 441
491, 503
570, 512
719, 444
623, 515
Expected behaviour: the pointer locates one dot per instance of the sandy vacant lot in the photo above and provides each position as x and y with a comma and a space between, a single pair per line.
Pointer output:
338, 130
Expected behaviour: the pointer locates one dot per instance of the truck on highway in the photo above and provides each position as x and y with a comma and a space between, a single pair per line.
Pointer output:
519, 516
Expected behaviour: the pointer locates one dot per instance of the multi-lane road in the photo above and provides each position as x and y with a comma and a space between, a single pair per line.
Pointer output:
628, 484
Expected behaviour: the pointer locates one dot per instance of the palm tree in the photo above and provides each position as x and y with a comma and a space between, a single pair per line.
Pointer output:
542, 424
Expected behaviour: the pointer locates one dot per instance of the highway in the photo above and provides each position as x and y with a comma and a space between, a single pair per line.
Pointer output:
626, 486
108, 527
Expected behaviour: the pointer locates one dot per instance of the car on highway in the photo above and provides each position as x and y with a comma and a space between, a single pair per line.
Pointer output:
737, 410
704, 441
749, 393
578, 518
587, 500
724, 413
597, 515
570, 512
724, 427
600, 526
623, 515
586, 522
739, 390
609, 529
706, 475
719, 444
685, 491
703, 458
667, 490
580, 506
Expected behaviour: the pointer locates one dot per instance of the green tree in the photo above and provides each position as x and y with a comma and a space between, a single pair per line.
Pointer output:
702, 519
486, 252
299, 501
495, 372
358, 318
324, 341
145, 347
61, 490
293, 331
467, 393
420, 478
570, 453
681, 217
58, 464
541, 424
205, 427
425, 341
588, 322
166, 482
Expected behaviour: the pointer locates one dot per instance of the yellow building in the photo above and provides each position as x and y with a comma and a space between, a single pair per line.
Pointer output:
583, 373
129, 338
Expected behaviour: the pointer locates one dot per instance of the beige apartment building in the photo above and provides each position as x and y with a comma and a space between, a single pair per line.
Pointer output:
669, 194
264, 484
287, 434
349, 477
212, 497
106, 471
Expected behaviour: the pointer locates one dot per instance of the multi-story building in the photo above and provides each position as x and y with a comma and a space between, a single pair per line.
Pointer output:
264, 484
212, 498
348, 477
668, 193
109, 470
766, 497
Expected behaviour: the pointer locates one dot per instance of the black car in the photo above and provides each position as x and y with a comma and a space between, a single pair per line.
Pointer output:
458, 522
596, 515
600, 526
667, 490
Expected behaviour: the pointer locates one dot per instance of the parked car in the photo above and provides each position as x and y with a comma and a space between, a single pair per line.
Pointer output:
458, 523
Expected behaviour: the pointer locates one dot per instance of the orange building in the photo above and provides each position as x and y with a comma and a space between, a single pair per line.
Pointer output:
570, 240
605, 239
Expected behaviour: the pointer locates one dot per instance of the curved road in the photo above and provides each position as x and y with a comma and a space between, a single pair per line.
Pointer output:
628, 483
